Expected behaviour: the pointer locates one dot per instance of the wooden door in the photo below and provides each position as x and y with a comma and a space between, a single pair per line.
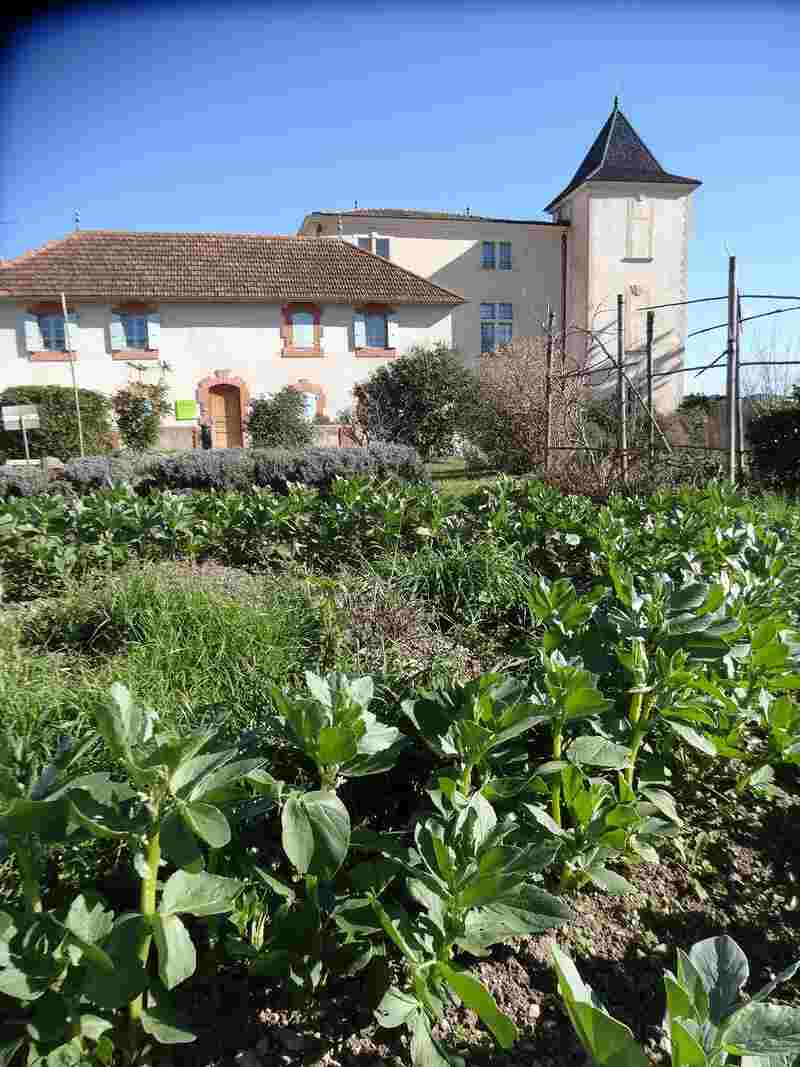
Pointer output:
226, 416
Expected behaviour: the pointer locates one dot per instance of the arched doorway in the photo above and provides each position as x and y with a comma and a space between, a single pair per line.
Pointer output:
225, 409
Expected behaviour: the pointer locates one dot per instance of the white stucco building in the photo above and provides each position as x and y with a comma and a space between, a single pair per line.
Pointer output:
237, 315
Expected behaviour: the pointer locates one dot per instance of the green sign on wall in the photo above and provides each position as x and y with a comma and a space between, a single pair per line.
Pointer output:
185, 409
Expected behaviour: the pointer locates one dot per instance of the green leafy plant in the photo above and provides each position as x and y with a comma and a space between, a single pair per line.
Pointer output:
474, 887
279, 421
138, 407
707, 1024
58, 423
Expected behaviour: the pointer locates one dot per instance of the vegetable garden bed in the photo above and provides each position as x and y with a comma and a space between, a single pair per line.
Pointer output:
354, 796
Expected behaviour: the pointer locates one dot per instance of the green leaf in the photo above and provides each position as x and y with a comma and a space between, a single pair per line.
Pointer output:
583, 701
89, 922
319, 689
663, 801
395, 1008
692, 737
528, 910
207, 822
610, 881
177, 959
763, 1028
224, 776
597, 752
330, 825
476, 997
124, 725
198, 894
724, 970
93, 1026
162, 1022
686, 1049
336, 744
425, 1050
9, 1049
179, 844
192, 773
297, 836
128, 979
47, 818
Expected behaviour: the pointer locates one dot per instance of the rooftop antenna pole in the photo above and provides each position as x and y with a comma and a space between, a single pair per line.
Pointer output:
77, 219
71, 357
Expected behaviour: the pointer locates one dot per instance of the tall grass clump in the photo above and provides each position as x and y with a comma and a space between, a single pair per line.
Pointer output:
181, 646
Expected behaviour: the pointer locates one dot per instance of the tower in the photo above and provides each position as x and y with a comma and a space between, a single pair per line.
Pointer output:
628, 233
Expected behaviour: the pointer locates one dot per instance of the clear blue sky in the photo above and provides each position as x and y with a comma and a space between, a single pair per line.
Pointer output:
244, 117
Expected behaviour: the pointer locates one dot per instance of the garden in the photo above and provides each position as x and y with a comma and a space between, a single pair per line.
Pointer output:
307, 757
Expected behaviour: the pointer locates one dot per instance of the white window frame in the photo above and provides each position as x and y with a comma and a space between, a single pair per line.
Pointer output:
495, 321
52, 317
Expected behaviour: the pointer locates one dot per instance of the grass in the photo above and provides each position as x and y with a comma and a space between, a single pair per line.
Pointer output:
454, 478
194, 651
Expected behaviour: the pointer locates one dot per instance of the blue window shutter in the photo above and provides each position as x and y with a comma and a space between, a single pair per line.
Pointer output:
73, 331
31, 332
154, 330
392, 331
116, 333
359, 330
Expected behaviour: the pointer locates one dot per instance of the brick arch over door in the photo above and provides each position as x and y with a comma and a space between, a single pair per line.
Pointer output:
221, 377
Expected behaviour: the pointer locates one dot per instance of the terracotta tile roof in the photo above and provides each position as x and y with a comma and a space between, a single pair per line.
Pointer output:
409, 213
618, 154
114, 265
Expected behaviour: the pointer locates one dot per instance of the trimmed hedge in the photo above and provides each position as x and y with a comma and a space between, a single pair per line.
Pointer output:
15, 482
775, 441
234, 468
100, 472
58, 435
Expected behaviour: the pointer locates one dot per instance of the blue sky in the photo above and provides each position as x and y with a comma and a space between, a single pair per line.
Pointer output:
244, 117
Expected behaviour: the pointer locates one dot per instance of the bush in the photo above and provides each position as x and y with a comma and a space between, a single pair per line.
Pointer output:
58, 435
100, 472
505, 418
417, 400
775, 441
15, 482
139, 407
276, 469
279, 421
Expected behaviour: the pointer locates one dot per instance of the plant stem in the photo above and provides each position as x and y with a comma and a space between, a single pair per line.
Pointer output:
28, 869
466, 780
147, 907
555, 789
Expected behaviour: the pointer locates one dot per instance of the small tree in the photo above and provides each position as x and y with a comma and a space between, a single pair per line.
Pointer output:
417, 400
507, 418
58, 432
139, 407
279, 420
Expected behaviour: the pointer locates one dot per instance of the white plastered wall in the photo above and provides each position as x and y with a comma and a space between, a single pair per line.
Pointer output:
198, 339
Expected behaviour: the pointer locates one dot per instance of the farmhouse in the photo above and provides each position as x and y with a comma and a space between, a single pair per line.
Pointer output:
236, 315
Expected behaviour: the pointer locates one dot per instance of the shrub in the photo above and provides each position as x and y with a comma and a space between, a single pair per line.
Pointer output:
505, 419
14, 482
279, 421
139, 407
416, 400
775, 441
58, 433
276, 469
100, 472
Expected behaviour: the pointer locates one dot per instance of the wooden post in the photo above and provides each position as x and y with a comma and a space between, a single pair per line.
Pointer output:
622, 400
548, 391
739, 412
651, 318
24, 438
731, 376
68, 342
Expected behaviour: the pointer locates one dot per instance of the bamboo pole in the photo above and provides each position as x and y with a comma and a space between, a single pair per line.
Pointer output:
739, 412
622, 400
731, 375
651, 317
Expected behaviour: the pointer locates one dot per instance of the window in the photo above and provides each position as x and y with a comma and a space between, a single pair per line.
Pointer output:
309, 405
53, 334
302, 329
489, 259
378, 245
487, 255
639, 244
496, 325
377, 333
135, 330
505, 255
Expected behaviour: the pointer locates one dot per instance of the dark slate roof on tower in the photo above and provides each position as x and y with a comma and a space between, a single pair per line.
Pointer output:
619, 155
